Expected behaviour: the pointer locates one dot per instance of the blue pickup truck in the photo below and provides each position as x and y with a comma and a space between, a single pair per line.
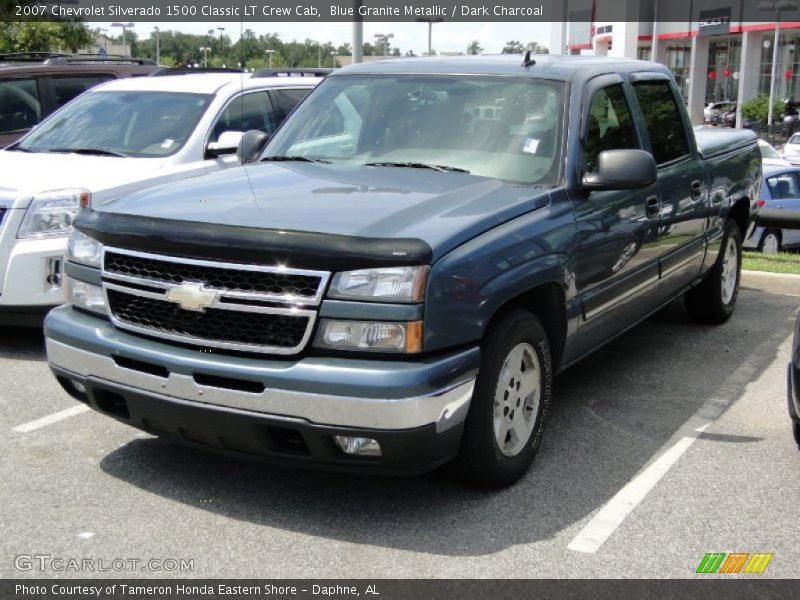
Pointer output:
392, 281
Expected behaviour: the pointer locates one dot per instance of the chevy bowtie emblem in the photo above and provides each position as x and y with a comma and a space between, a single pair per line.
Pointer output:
192, 295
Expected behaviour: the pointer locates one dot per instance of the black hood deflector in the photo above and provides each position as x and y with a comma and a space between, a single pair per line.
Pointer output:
250, 245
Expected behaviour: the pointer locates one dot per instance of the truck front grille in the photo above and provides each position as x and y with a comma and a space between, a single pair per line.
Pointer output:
263, 282
213, 326
251, 308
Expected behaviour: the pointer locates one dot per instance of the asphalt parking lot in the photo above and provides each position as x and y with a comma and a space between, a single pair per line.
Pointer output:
671, 442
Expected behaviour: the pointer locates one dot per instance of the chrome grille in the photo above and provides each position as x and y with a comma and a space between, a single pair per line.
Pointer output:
253, 308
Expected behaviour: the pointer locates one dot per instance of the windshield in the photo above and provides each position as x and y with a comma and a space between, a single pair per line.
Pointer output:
768, 151
500, 127
795, 139
141, 124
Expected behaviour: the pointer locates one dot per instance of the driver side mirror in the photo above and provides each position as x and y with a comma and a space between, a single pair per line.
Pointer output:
627, 169
227, 143
251, 145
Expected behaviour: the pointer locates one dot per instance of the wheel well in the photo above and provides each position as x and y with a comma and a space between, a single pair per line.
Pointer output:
546, 301
740, 212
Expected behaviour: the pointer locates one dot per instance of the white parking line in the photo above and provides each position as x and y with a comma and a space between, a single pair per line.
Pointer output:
614, 512
50, 419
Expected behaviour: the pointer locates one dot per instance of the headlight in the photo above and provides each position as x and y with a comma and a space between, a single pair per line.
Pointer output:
392, 284
370, 336
83, 249
52, 213
86, 295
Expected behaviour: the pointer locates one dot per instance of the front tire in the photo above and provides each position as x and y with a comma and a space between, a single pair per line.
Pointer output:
770, 241
712, 301
509, 407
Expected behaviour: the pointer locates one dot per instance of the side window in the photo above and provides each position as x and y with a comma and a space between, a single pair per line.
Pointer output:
610, 126
249, 111
20, 108
783, 186
663, 120
288, 99
67, 88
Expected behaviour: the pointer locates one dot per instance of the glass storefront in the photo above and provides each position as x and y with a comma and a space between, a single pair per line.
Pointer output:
724, 60
678, 63
786, 76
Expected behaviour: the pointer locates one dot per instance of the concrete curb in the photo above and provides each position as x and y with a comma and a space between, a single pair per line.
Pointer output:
767, 274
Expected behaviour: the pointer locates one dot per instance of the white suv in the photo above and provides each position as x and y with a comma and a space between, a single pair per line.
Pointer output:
112, 140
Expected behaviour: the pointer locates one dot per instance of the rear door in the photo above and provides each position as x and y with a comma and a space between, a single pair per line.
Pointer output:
682, 183
21, 106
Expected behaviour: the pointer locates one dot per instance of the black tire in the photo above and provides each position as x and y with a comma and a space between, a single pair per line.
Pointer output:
480, 459
796, 432
706, 302
763, 242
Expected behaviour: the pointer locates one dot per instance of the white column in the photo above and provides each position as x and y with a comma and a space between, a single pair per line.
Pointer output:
558, 37
698, 77
749, 70
625, 37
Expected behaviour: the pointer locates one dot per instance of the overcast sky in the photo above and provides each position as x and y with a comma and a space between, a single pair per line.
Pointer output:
447, 37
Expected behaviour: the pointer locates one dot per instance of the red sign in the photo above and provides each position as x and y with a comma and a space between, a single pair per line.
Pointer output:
788, 74
726, 72
712, 76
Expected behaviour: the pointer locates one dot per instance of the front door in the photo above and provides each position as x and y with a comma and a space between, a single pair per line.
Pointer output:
617, 268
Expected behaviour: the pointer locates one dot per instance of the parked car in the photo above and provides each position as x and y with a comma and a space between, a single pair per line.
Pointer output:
115, 138
770, 156
791, 149
793, 380
391, 284
35, 84
781, 190
714, 111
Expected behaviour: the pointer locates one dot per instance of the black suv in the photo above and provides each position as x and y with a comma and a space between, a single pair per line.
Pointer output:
34, 84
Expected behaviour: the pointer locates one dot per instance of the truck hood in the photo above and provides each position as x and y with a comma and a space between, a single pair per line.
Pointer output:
23, 175
443, 209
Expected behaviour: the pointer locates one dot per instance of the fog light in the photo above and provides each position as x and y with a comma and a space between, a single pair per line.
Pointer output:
358, 446
79, 387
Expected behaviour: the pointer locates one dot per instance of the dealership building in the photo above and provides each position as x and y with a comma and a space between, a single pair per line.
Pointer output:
714, 54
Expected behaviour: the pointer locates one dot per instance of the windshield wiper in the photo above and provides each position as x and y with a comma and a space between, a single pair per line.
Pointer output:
416, 165
91, 151
296, 158
16, 148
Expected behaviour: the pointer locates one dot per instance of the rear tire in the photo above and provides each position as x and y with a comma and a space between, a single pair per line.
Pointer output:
770, 241
712, 301
509, 407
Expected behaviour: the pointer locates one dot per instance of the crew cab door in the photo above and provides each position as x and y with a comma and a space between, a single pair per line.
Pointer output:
617, 264
682, 186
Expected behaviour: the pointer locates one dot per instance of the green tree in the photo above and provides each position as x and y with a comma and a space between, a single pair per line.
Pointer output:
474, 47
513, 47
757, 109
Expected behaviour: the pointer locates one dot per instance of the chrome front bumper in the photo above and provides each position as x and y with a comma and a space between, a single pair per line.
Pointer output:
340, 392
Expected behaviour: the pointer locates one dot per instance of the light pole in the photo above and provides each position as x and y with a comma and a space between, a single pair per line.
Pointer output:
319, 55
125, 27
270, 53
205, 50
102, 31
430, 22
333, 54
776, 7
158, 44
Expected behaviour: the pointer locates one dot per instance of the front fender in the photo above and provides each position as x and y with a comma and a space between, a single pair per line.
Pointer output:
470, 284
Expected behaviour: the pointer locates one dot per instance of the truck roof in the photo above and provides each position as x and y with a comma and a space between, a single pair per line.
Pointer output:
549, 66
